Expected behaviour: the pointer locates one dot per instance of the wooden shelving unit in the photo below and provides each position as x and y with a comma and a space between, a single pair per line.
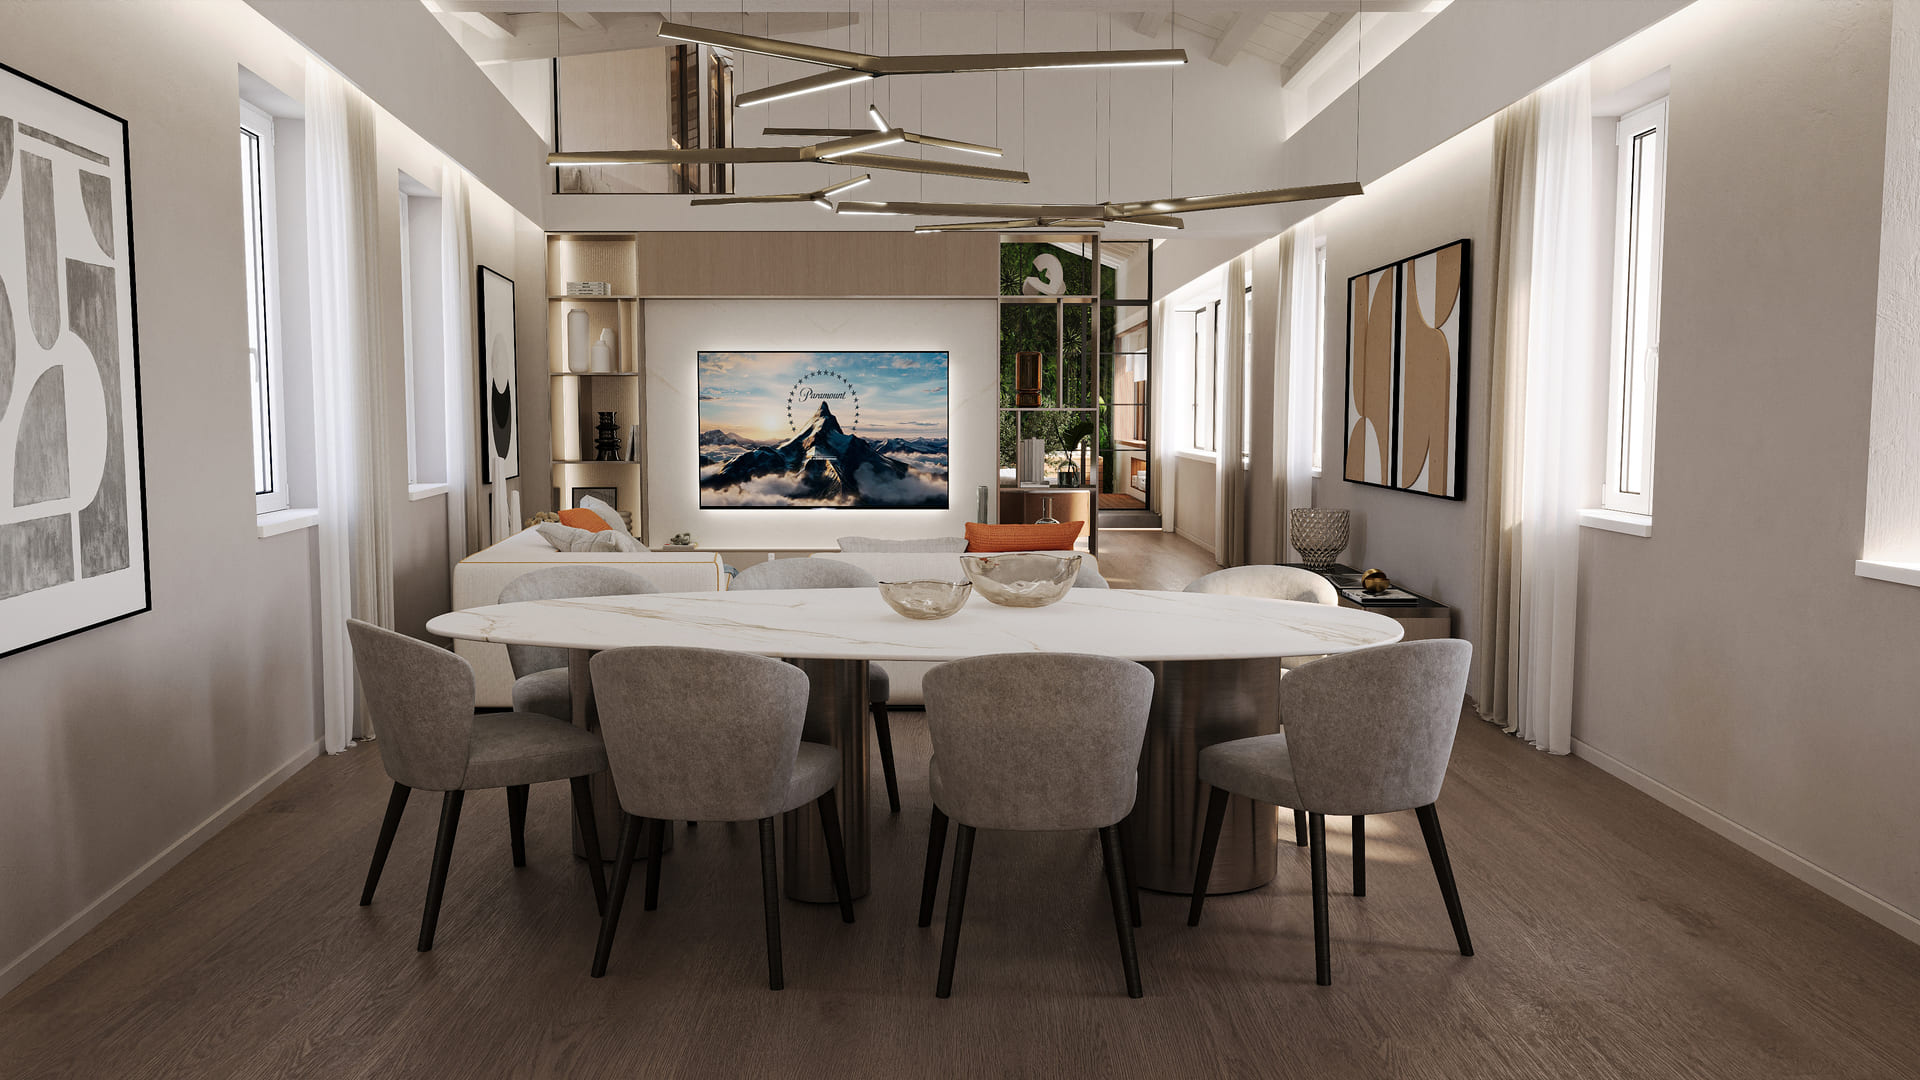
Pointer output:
578, 397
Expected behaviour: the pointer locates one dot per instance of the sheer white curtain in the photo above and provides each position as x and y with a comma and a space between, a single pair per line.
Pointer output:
350, 416
1300, 359
1230, 474
1540, 466
456, 332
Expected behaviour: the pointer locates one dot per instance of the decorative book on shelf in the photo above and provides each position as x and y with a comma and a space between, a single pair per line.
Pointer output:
1389, 598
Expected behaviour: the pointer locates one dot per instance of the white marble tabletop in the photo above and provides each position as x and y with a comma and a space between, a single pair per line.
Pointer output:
856, 624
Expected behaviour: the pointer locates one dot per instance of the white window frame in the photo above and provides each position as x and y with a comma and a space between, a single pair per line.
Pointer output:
1319, 352
263, 284
1246, 378
1633, 365
1206, 366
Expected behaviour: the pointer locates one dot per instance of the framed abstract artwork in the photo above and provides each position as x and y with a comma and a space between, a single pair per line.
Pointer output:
855, 430
73, 536
1407, 373
499, 383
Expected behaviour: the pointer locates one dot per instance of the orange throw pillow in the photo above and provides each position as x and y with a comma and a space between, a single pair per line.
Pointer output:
584, 519
1023, 537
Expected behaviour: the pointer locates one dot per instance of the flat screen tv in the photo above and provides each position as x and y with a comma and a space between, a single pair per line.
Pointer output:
852, 430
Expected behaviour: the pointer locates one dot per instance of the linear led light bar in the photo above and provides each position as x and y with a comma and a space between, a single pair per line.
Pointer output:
910, 136
857, 66
756, 155
818, 198
1152, 212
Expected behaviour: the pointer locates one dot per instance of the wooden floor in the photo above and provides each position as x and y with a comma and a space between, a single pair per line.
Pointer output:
1151, 559
1614, 937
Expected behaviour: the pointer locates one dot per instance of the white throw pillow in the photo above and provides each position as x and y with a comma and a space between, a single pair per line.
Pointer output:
605, 513
951, 545
567, 538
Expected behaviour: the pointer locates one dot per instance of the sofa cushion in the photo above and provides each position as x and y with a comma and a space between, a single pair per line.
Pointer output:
867, 544
584, 519
613, 520
1058, 537
567, 538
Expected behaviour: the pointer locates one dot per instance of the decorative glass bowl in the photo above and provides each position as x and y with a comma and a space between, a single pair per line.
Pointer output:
926, 599
1022, 579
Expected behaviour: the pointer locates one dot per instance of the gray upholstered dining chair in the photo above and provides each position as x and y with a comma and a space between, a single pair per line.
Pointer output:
833, 574
708, 735
420, 697
1275, 583
1367, 732
1032, 743
540, 680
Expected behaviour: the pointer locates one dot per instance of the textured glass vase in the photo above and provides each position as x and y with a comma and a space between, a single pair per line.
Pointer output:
1319, 535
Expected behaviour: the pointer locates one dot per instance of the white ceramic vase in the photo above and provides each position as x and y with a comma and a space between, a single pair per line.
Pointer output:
603, 352
577, 340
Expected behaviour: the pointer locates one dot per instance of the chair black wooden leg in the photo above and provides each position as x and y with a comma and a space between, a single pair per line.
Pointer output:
1209, 842
936, 851
770, 898
622, 873
656, 843
517, 822
1299, 828
836, 854
1125, 829
590, 840
1322, 938
396, 804
1443, 869
442, 855
956, 906
884, 734
1122, 917
1359, 856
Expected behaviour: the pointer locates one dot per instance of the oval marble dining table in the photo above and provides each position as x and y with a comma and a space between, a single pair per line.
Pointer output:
1215, 659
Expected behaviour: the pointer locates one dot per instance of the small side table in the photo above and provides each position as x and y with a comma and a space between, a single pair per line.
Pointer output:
1427, 619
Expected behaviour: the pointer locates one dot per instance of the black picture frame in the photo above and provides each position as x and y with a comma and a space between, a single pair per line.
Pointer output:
486, 401
1391, 467
135, 469
608, 495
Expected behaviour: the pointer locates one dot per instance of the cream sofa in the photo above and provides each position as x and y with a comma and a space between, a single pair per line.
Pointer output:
908, 566
478, 579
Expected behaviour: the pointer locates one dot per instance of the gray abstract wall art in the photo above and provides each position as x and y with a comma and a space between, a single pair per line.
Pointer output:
73, 544
499, 382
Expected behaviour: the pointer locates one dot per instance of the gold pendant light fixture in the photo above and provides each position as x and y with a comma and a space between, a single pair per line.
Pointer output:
880, 124
821, 198
861, 67
854, 150
1155, 212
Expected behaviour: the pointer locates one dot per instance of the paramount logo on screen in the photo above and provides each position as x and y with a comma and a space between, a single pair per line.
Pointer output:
808, 393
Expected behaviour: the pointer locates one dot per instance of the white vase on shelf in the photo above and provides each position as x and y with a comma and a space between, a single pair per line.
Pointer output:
603, 352
577, 340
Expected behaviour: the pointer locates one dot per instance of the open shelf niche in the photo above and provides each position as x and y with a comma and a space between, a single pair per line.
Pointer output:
577, 398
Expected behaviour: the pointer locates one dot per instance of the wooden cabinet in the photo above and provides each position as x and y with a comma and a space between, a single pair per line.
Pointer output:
1024, 506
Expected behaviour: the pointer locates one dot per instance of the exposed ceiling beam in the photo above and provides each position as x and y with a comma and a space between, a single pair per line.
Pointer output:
583, 20
494, 25
541, 39
1312, 46
1150, 23
1236, 35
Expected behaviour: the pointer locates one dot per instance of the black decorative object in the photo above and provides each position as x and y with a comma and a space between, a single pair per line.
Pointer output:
606, 445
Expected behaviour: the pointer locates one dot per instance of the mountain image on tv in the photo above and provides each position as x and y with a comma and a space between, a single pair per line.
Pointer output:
849, 430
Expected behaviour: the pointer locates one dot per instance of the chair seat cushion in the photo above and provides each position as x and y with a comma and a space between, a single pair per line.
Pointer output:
509, 749
879, 684
549, 693
815, 770
1258, 768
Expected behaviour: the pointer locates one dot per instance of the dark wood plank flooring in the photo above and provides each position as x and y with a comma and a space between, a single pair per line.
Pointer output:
1615, 939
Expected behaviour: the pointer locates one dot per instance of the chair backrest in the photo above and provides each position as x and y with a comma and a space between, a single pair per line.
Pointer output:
560, 583
1370, 732
1272, 582
804, 574
1089, 578
420, 697
1036, 741
699, 734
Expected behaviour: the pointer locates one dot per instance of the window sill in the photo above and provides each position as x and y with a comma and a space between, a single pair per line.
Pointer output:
285, 521
416, 492
1900, 573
1617, 521
1198, 455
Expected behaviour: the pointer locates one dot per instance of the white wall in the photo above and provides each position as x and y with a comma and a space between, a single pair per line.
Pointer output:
1732, 661
1431, 545
123, 747
676, 331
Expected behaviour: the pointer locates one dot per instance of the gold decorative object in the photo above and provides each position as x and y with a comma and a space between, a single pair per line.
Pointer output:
1375, 582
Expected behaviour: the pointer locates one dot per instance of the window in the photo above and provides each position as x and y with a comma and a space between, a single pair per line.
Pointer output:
1246, 380
422, 338
1206, 367
270, 487
1319, 352
1634, 361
